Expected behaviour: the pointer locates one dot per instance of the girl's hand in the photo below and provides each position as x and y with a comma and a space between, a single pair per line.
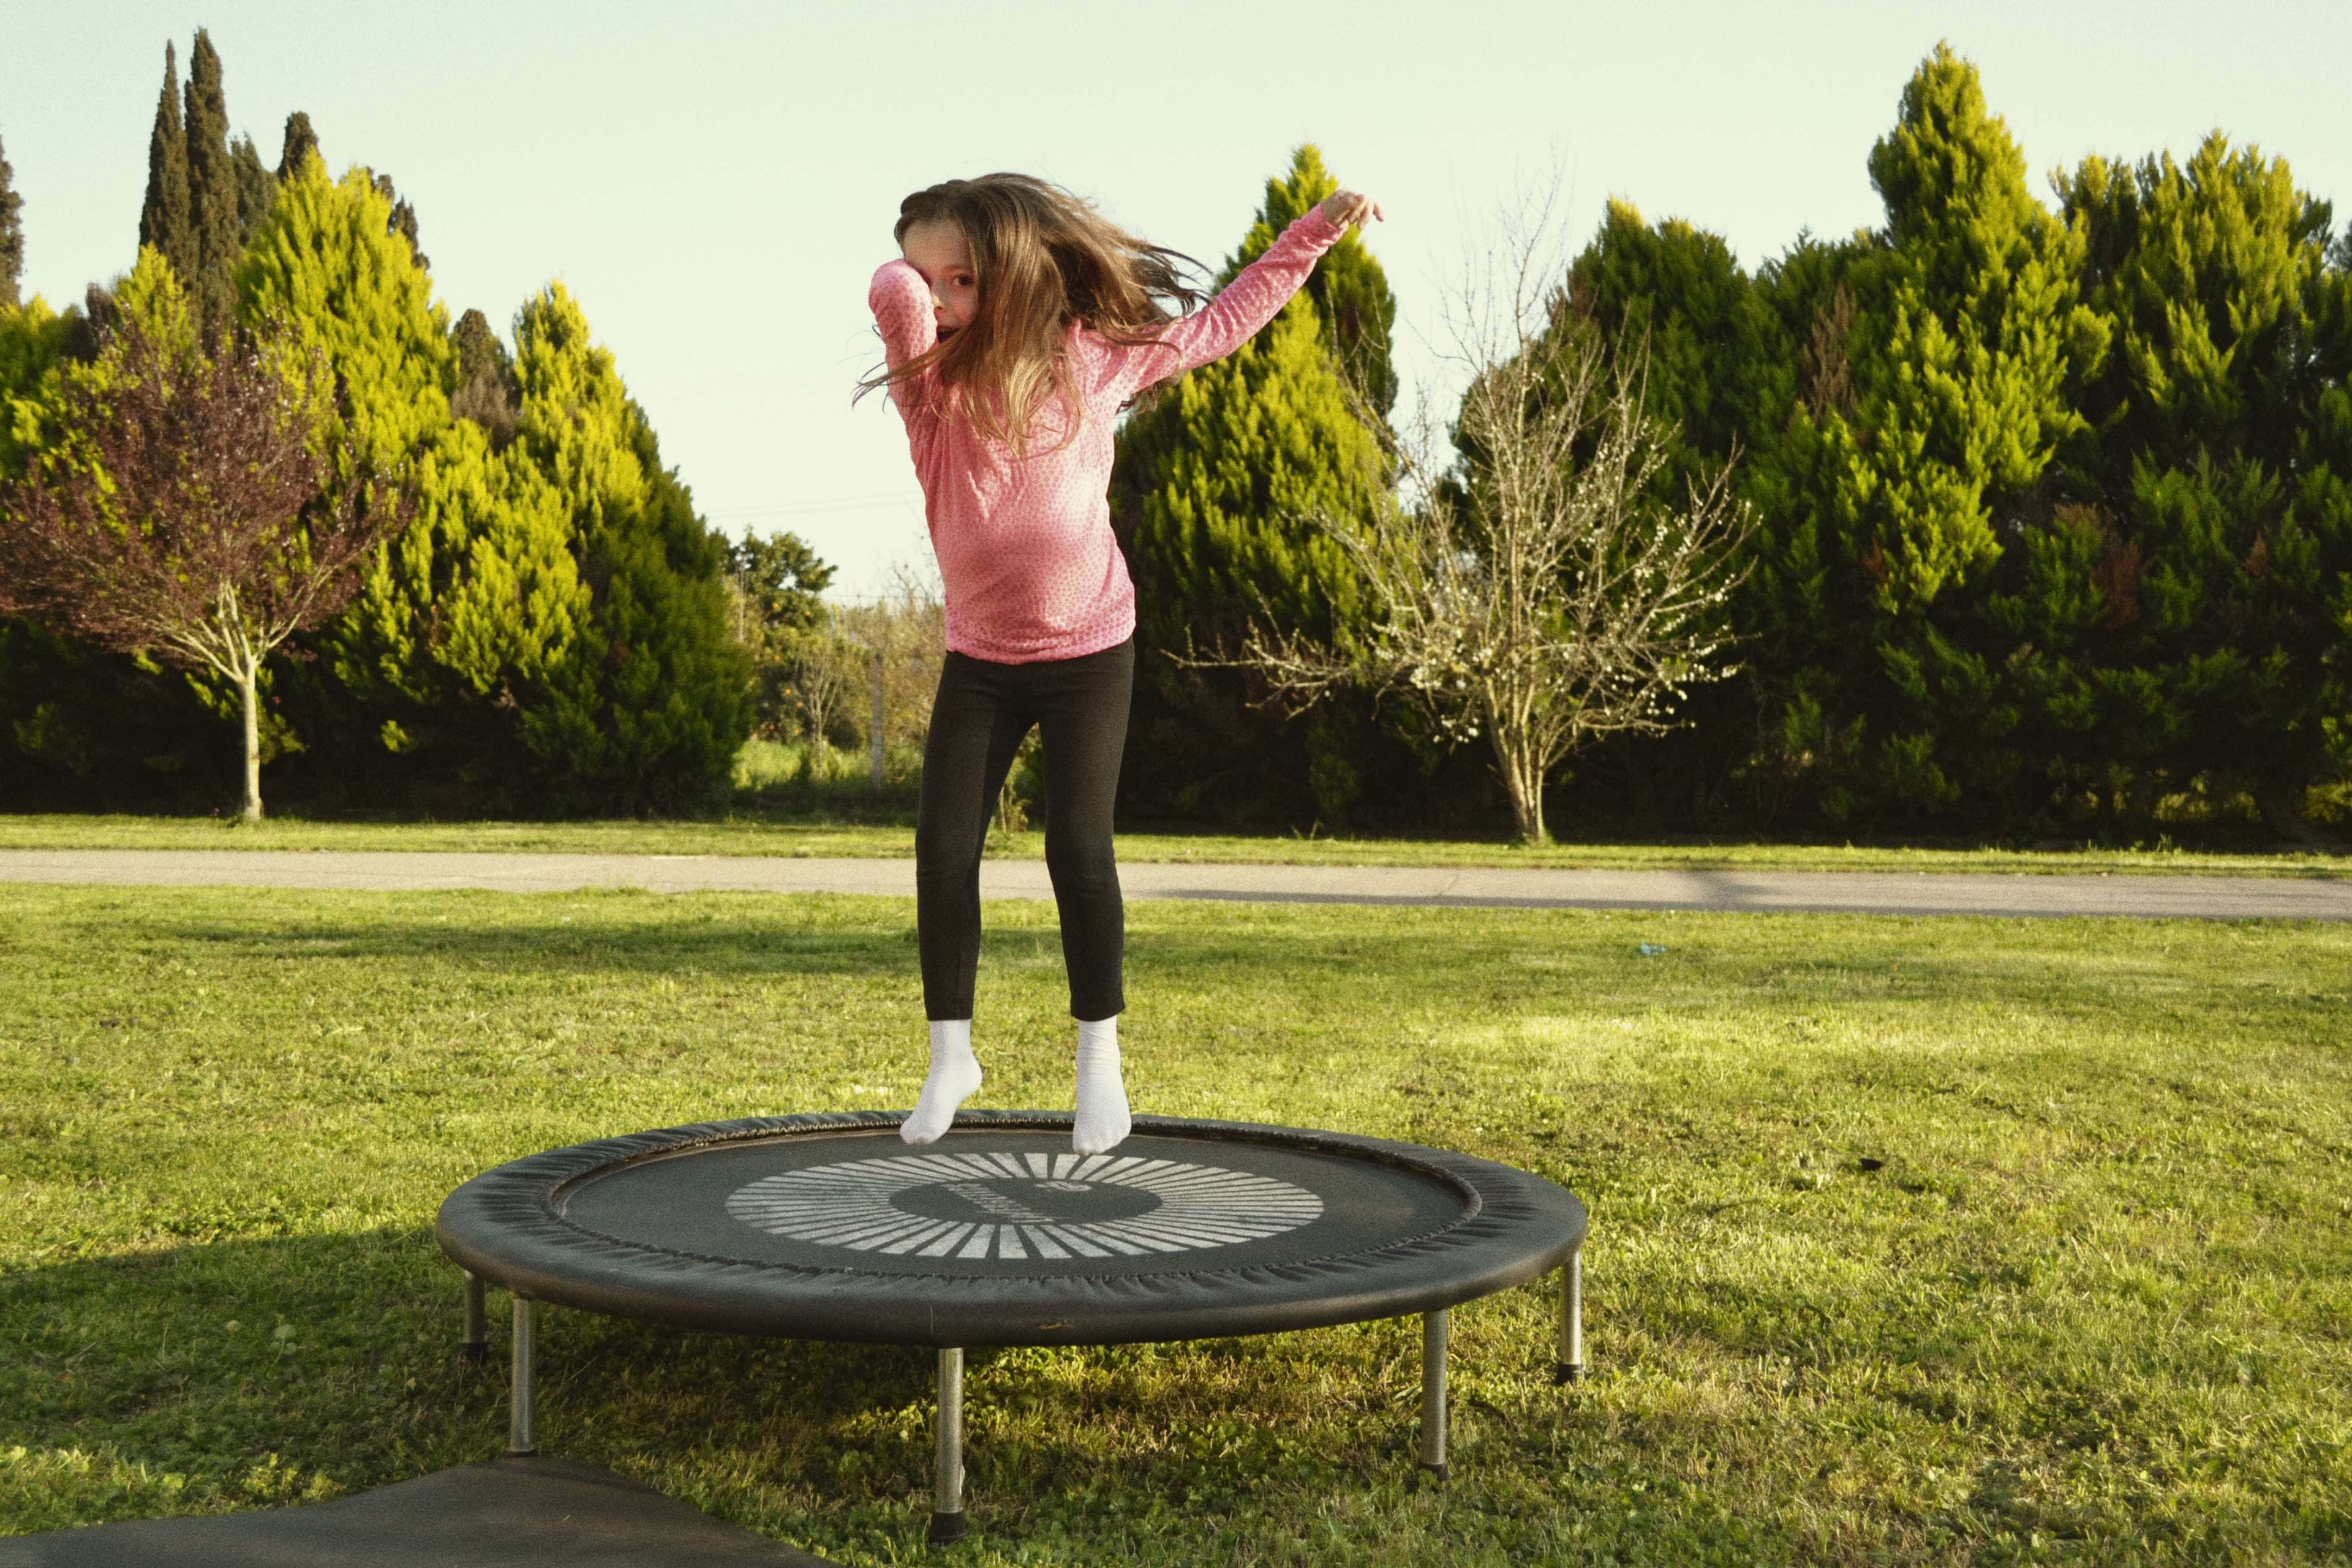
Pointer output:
1349, 209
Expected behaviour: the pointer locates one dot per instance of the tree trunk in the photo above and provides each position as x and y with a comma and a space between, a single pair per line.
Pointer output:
1523, 777
879, 716
2280, 805
249, 683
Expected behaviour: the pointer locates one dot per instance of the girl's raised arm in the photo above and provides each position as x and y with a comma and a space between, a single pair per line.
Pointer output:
1252, 299
902, 303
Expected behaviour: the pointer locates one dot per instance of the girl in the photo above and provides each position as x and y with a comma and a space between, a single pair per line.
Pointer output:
1015, 325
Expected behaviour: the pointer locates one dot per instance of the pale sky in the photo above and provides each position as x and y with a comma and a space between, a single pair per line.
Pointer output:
715, 180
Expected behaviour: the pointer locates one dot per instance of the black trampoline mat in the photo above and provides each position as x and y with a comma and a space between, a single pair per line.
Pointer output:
508, 1513
987, 1204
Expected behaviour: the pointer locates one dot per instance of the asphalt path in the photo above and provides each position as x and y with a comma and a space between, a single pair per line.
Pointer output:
1834, 892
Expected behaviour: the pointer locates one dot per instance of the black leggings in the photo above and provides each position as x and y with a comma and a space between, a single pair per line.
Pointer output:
982, 711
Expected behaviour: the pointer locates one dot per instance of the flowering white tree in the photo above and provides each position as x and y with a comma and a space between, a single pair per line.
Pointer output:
1527, 582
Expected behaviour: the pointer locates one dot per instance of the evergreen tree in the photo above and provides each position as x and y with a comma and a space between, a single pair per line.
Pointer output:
300, 145
780, 618
323, 263
650, 705
256, 188
164, 222
458, 621
12, 236
2182, 615
1936, 384
782, 579
326, 259
32, 344
1673, 299
402, 219
1349, 291
214, 190
1672, 304
1976, 338
486, 391
1216, 489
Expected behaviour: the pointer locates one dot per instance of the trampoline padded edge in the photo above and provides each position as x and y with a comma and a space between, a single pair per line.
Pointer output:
505, 1225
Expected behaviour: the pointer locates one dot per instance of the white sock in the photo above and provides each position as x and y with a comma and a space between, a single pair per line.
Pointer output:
954, 1078
1102, 1122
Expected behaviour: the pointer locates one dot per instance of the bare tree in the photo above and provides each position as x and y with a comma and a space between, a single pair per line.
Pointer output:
184, 513
903, 634
826, 670
1527, 584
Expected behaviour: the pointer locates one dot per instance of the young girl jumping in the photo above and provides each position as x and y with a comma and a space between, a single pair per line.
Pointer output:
1016, 324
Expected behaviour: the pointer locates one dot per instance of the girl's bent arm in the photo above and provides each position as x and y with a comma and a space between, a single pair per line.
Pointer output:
902, 303
1242, 307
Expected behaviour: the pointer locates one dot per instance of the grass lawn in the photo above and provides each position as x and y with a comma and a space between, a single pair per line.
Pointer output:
1913, 1240
754, 833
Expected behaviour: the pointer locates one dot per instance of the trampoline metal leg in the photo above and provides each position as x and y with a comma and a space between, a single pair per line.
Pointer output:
523, 1395
948, 1522
476, 1346
1570, 1365
1433, 1393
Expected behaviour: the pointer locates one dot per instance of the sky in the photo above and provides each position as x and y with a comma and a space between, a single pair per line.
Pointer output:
716, 182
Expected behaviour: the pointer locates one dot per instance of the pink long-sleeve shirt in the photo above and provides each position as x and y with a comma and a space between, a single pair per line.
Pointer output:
1024, 544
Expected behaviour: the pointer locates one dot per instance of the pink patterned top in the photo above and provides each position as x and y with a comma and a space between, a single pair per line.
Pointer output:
1025, 545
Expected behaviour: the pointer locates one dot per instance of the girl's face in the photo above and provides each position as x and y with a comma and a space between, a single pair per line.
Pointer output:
942, 254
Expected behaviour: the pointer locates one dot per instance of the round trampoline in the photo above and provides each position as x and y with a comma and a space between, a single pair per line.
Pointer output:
829, 1227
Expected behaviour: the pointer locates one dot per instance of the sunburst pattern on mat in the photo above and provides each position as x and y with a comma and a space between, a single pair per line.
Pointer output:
858, 1204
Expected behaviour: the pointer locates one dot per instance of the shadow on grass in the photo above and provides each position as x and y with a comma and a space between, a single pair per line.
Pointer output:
264, 1371
555, 944
259, 1371
1391, 958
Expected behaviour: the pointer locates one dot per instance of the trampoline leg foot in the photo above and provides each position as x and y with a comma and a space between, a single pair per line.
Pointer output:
1568, 1367
475, 1348
947, 1522
1433, 1394
522, 1396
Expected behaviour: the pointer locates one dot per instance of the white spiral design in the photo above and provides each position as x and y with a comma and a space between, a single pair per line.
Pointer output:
850, 1205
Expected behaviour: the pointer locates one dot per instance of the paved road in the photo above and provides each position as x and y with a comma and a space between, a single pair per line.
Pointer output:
1855, 892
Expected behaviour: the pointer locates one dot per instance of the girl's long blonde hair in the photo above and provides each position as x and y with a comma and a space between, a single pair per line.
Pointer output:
1045, 259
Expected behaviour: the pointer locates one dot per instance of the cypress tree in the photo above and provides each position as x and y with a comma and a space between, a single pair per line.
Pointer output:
1351, 292
1717, 367
1975, 340
1216, 489
164, 221
256, 188
402, 219
214, 190
327, 260
2183, 615
424, 684
322, 263
12, 236
301, 143
1937, 384
650, 704
486, 391
1709, 341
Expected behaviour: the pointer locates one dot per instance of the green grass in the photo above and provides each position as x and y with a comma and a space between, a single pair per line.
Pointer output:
758, 833
1932, 1241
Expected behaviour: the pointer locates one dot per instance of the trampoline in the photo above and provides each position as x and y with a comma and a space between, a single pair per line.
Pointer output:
829, 1227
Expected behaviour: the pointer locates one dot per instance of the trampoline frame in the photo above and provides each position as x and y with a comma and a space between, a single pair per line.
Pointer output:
948, 1522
